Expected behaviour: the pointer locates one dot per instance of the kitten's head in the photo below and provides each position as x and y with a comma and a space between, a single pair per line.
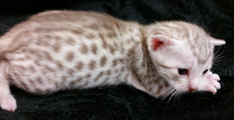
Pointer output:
181, 52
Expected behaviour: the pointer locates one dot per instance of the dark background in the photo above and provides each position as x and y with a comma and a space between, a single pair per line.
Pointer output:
124, 102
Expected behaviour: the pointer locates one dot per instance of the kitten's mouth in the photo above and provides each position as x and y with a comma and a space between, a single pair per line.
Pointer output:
192, 89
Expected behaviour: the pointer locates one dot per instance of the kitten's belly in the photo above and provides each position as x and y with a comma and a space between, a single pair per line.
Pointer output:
46, 77
45, 71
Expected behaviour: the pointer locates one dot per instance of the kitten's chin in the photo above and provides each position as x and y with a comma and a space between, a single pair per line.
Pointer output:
187, 90
192, 90
184, 89
178, 88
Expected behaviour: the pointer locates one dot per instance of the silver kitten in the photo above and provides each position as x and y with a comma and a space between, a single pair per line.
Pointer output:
59, 50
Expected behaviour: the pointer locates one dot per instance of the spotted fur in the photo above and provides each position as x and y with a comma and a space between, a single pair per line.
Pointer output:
59, 50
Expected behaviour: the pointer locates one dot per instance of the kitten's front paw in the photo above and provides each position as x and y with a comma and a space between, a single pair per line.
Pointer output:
7, 102
210, 83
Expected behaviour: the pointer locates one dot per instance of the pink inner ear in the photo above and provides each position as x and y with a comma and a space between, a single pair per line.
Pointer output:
156, 43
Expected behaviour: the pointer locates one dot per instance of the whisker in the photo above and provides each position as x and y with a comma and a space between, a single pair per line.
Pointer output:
217, 62
219, 56
180, 94
218, 59
171, 96
217, 51
176, 96
167, 92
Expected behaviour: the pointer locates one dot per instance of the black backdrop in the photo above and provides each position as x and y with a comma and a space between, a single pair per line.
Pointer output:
124, 102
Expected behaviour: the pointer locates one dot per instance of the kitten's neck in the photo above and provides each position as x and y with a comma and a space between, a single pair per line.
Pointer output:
144, 70
141, 63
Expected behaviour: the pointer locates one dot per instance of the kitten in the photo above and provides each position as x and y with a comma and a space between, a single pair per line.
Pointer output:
59, 50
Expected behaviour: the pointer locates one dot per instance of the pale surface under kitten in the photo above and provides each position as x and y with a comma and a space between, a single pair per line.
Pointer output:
58, 50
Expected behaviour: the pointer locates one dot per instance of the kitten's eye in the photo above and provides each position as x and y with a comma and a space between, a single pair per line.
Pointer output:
205, 71
182, 71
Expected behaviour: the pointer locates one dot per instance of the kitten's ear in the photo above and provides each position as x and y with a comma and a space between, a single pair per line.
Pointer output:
157, 42
216, 42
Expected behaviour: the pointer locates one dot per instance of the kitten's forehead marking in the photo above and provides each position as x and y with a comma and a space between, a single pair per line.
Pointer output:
202, 50
198, 42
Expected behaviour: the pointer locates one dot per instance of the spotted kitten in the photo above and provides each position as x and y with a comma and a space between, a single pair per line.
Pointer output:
59, 50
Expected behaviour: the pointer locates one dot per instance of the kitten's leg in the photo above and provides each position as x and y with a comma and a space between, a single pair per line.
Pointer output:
7, 101
210, 83
132, 80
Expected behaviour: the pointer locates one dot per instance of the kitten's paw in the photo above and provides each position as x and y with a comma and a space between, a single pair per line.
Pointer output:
7, 102
210, 83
